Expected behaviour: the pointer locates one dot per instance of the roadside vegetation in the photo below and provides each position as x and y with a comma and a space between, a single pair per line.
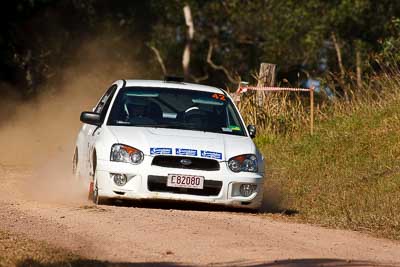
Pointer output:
347, 174
16, 250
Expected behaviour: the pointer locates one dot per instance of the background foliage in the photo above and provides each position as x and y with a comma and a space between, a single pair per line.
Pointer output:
38, 37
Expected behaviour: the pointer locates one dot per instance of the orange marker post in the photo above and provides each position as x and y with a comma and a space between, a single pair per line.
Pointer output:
312, 110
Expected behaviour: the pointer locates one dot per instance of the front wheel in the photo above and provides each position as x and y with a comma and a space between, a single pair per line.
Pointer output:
91, 191
96, 198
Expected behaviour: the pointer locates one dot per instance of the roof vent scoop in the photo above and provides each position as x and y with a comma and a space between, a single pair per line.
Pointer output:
175, 79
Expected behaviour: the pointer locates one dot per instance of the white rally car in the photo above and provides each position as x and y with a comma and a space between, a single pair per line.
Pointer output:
169, 140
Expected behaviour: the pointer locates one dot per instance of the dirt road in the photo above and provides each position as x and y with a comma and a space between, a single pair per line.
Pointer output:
175, 233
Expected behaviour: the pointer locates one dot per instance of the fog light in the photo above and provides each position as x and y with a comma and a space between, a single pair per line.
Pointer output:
119, 179
247, 189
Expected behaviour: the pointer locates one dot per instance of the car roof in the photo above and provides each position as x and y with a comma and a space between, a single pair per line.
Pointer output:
175, 85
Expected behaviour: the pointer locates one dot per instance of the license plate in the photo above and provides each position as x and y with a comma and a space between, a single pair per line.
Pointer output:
185, 181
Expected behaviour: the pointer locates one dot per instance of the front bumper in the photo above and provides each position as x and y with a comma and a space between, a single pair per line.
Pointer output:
221, 187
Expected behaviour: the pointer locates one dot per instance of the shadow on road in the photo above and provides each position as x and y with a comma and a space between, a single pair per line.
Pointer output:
176, 205
195, 206
280, 263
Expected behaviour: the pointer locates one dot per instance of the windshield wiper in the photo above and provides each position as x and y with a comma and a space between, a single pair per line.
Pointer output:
155, 125
181, 127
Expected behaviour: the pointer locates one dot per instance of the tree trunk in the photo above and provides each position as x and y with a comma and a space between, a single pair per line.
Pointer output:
338, 55
190, 34
358, 67
159, 59
340, 63
266, 77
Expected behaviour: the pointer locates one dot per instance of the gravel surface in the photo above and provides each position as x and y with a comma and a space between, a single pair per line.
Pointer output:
177, 233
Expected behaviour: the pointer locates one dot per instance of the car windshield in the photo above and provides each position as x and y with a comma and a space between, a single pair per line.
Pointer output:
175, 108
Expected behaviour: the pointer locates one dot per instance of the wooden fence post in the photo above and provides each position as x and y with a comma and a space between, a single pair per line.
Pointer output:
266, 77
312, 110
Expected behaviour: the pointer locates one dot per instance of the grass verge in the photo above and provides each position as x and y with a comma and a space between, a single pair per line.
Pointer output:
347, 175
18, 251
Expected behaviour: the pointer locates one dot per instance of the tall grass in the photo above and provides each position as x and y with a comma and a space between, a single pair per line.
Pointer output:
280, 113
288, 113
347, 174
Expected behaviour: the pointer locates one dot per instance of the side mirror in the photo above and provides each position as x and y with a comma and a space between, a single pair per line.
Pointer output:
252, 130
90, 118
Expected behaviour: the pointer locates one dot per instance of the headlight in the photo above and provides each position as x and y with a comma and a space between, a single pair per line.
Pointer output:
243, 163
124, 153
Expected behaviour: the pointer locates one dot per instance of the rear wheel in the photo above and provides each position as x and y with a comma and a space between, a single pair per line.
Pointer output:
75, 171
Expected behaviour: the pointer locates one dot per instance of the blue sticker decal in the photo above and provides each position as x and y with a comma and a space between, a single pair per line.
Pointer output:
185, 152
210, 154
160, 151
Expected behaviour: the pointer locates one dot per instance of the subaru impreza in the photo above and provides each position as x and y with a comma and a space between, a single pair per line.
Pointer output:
169, 140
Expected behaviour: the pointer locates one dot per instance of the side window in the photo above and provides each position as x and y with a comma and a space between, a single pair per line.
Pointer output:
108, 95
233, 121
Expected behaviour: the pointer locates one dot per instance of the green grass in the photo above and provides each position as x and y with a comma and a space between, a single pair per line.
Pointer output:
347, 175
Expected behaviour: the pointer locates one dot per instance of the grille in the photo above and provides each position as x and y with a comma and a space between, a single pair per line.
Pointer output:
197, 163
159, 184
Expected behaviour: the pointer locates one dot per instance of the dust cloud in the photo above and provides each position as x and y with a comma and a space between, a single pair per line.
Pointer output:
39, 135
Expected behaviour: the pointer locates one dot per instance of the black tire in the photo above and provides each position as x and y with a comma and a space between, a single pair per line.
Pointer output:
95, 195
97, 199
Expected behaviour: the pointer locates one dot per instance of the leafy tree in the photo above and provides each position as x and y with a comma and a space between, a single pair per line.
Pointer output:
39, 36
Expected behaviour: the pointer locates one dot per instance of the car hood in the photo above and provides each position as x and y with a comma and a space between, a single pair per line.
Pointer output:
154, 141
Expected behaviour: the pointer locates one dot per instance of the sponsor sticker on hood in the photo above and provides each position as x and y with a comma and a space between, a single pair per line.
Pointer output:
160, 151
211, 154
185, 152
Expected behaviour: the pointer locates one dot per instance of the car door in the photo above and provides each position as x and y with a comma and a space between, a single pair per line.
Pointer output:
86, 135
94, 131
